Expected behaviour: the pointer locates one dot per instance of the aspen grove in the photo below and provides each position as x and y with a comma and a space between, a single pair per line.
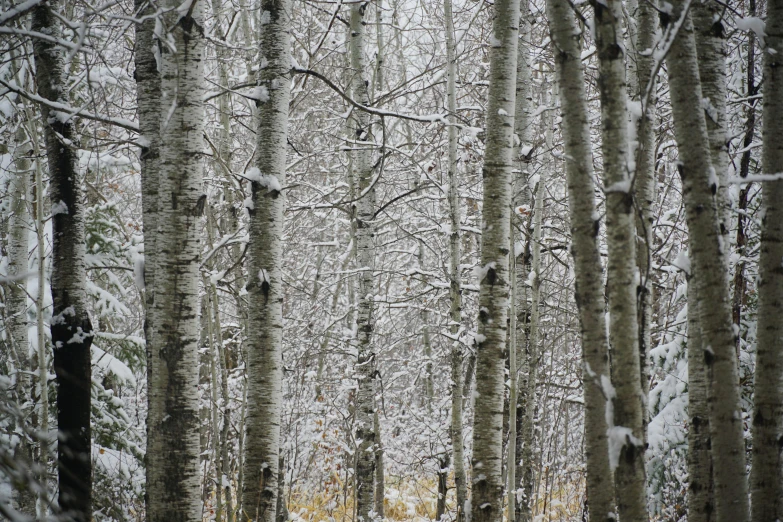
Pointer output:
366, 260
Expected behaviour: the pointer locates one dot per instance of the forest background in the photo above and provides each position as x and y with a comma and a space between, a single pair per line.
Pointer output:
341, 174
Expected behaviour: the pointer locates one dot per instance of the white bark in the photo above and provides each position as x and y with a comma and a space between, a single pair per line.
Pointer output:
173, 448
365, 257
700, 499
585, 224
15, 313
627, 428
524, 263
42, 504
265, 285
767, 471
455, 279
710, 36
149, 108
487, 490
641, 35
700, 185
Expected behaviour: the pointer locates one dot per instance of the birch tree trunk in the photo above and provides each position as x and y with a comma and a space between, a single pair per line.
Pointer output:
455, 279
700, 498
710, 37
173, 458
380, 485
700, 184
491, 340
149, 107
526, 343
626, 429
585, 224
767, 471
265, 285
42, 504
15, 314
641, 32
365, 253
71, 328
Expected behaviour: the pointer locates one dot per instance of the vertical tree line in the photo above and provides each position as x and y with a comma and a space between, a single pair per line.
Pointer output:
274, 236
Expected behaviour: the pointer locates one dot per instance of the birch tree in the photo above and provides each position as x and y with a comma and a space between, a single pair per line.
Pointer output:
700, 498
642, 25
172, 460
767, 471
520, 481
700, 184
17, 343
71, 328
265, 285
455, 279
149, 108
710, 35
585, 224
494, 277
626, 428
365, 256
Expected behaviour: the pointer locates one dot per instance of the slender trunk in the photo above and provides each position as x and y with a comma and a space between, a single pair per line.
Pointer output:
518, 506
585, 224
42, 504
365, 253
15, 312
626, 429
767, 471
643, 23
173, 445
524, 266
224, 406
532, 352
71, 328
700, 184
213, 400
380, 485
282, 508
429, 385
740, 296
513, 395
701, 502
455, 280
265, 313
149, 107
491, 341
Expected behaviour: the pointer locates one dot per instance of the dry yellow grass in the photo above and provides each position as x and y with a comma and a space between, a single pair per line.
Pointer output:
415, 500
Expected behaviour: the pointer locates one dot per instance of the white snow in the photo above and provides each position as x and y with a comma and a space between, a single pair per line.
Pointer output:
260, 93
623, 186
617, 437
481, 272
755, 24
270, 182
59, 208
683, 262
107, 362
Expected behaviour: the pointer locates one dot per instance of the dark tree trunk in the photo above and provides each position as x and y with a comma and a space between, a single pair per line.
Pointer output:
70, 326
